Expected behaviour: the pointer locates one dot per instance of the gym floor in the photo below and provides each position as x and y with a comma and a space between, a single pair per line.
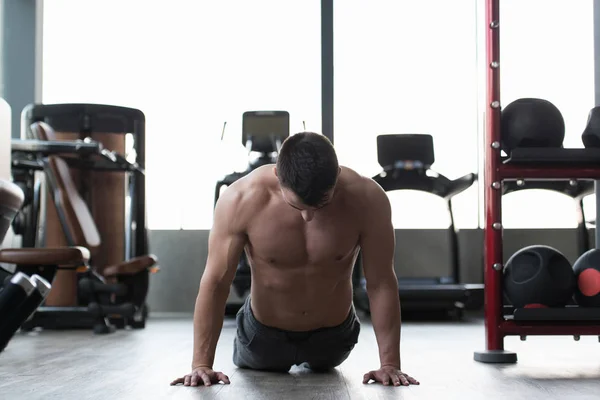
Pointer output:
141, 364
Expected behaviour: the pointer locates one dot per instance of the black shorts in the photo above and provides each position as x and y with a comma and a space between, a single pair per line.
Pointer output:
261, 347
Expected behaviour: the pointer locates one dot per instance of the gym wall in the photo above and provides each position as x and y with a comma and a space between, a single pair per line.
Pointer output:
182, 255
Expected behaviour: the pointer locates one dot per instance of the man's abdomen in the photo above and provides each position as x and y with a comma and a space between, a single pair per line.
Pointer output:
300, 301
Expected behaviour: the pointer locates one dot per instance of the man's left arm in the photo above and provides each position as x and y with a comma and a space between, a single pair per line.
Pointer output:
377, 246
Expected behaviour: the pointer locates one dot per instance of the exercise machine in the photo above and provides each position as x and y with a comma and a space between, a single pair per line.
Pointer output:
85, 188
263, 133
406, 160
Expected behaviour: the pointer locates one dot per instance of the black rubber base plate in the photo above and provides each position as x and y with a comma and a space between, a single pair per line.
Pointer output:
496, 357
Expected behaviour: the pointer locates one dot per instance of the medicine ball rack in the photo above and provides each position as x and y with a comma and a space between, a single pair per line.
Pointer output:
522, 165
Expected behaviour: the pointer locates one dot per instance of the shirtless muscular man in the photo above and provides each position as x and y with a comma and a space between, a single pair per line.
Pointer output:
301, 224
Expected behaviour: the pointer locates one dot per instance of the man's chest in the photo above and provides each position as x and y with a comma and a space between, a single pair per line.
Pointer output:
293, 241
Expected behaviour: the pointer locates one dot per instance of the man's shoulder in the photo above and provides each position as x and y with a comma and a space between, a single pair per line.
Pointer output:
361, 187
250, 190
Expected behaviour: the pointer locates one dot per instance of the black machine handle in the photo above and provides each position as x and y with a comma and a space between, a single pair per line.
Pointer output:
84, 148
418, 179
117, 158
53, 147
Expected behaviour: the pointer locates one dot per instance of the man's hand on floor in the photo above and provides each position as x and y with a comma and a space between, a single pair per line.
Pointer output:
388, 374
202, 376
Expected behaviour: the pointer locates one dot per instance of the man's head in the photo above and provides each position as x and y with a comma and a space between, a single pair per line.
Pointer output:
307, 169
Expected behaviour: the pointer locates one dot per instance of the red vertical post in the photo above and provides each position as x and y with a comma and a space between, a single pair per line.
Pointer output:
493, 184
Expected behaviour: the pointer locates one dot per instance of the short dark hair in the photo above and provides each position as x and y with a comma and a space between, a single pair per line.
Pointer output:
308, 166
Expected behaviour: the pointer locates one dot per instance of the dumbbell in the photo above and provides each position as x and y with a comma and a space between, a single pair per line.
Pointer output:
26, 295
15, 290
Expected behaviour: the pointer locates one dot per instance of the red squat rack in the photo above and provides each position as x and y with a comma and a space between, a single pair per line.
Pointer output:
546, 164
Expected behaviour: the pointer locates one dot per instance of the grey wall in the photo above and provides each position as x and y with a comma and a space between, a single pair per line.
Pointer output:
20, 55
182, 255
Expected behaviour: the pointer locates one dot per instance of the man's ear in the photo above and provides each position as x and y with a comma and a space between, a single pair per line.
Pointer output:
275, 170
339, 170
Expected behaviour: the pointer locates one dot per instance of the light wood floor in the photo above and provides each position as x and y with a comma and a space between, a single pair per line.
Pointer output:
141, 364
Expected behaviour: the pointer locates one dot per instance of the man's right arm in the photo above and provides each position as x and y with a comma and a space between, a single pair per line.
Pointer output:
225, 246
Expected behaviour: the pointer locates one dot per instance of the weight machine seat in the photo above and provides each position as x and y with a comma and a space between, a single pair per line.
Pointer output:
131, 266
76, 256
74, 214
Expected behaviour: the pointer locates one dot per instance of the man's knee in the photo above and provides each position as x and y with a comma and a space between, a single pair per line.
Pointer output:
260, 361
328, 363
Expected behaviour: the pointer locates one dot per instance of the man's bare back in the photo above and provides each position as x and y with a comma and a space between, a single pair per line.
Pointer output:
301, 225
301, 270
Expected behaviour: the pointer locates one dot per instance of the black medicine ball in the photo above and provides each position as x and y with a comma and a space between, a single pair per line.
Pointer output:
539, 275
591, 134
587, 272
531, 122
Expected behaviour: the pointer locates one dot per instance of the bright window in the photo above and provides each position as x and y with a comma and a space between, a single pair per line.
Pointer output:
547, 51
189, 66
409, 66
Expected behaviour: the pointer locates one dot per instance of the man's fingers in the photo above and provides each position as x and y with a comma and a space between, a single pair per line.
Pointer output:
177, 381
384, 378
396, 379
403, 380
222, 377
412, 380
368, 376
186, 381
206, 379
194, 381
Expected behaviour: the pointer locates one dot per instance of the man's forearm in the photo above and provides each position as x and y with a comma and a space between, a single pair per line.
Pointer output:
385, 315
208, 322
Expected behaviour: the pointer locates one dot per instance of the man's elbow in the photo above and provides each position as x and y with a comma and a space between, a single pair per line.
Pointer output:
216, 284
388, 284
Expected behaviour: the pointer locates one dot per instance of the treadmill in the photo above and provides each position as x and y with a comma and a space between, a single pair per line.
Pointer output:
406, 160
263, 133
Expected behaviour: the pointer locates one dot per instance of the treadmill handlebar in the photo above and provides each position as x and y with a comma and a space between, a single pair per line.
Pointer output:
275, 145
